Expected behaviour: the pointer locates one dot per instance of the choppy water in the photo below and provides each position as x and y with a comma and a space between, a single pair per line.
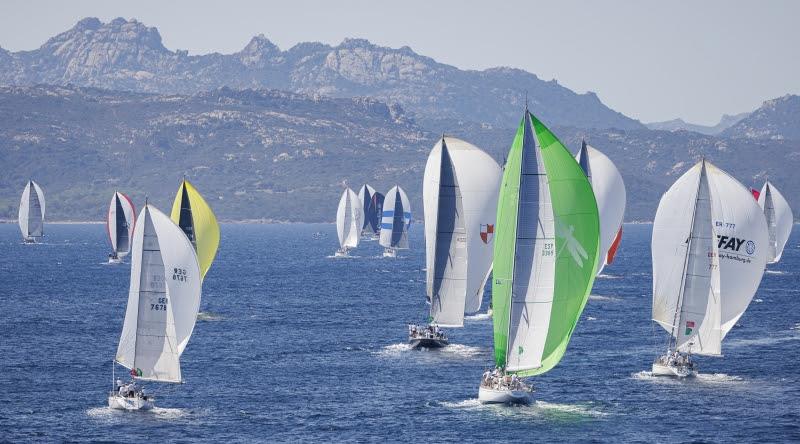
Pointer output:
294, 345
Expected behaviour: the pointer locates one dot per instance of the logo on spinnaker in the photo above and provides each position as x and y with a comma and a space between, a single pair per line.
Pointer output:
689, 328
487, 233
136, 372
750, 246
520, 350
574, 247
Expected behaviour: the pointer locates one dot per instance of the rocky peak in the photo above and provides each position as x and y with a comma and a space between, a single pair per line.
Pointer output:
259, 51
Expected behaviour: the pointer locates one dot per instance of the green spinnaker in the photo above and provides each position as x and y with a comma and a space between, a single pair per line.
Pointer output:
577, 228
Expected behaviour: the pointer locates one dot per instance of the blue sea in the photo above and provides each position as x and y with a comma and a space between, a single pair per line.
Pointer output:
294, 345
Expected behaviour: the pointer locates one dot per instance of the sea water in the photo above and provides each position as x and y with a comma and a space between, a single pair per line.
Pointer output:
294, 345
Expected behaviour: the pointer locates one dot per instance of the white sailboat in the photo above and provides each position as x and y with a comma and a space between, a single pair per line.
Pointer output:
395, 221
163, 302
459, 190
779, 220
609, 190
372, 204
120, 221
31, 212
349, 221
709, 250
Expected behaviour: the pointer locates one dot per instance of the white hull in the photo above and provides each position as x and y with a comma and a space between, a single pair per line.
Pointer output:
112, 260
502, 396
672, 371
389, 252
341, 253
29, 240
117, 402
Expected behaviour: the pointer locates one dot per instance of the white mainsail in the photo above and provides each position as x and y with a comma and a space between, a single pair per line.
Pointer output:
349, 219
609, 190
395, 220
779, 220
460, 190
120, 223
163, 300
31, 211
709, 250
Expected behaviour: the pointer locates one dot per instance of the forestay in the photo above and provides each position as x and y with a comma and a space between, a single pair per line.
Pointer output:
460, 189
779, 220
163, 300
395, 220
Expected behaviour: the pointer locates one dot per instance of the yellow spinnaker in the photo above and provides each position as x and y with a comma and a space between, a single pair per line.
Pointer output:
193, 215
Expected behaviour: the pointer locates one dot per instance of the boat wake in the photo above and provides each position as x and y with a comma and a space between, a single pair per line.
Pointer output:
719, 378
478, 317
597, 297
570, 409
208, 316
456, 350
536, 409
463, 351
705, 378
796, 327
394, 350
771, 340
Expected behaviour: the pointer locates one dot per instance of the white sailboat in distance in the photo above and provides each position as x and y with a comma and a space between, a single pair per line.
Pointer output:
120, 221
349, 221
779, 220
609, 190
459, 190
395, 221
709, 250
31, 213
163, 302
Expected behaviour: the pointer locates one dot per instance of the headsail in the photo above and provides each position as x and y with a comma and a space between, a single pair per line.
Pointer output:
546, 251
163, 300
366, 196
349, 219
31, 211
460, 196
396, 219
702, 286
194, 216
120, 223
609, 190
779, 220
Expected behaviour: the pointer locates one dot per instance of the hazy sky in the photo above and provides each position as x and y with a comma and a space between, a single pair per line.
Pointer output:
652, 60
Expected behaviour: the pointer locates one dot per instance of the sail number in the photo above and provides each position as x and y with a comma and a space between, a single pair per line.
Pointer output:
161, 304
547, 249
179, 274
725, 224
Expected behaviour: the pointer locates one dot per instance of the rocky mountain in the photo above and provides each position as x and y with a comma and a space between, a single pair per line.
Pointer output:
776, 119
127, 55
279, 156
680, 125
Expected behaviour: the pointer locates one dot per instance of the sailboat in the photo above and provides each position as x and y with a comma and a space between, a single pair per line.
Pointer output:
31, 212
709, 250
163, 302
395, 221
546, 249
779, 220
194, 216
120, 221
349, 221
609, 190
372, 204
459, 192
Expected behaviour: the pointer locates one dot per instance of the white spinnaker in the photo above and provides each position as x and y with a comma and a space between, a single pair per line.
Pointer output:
395, 220
32, 211
609, 190
742, 262
534, 272
163, 300
457, 258
779, 220
349, 219
120, 226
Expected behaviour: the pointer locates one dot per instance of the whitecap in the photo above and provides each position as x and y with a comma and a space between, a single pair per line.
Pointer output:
775, 272
577, 409
208, 316
393, 350
597, 297
463, 351
608, 276
478, 317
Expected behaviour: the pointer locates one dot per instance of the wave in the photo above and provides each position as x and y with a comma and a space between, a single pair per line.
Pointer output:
597, 297
478, 317
776, 272
394, 350
709, 378
463, 351
591, 318
608, 276
718, 378
208, 316
160, 412
770, 340
574, 409
537, 408
796, 327
758, 300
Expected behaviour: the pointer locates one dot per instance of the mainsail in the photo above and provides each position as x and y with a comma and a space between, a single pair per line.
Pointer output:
779, 220
163, 300
193, 215
459, 192
395, 220
545, 253
709, 250
609, 190
120, 222
349, 219
31, 211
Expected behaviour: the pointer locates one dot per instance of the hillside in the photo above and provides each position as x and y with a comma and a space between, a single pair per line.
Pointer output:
776, 119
